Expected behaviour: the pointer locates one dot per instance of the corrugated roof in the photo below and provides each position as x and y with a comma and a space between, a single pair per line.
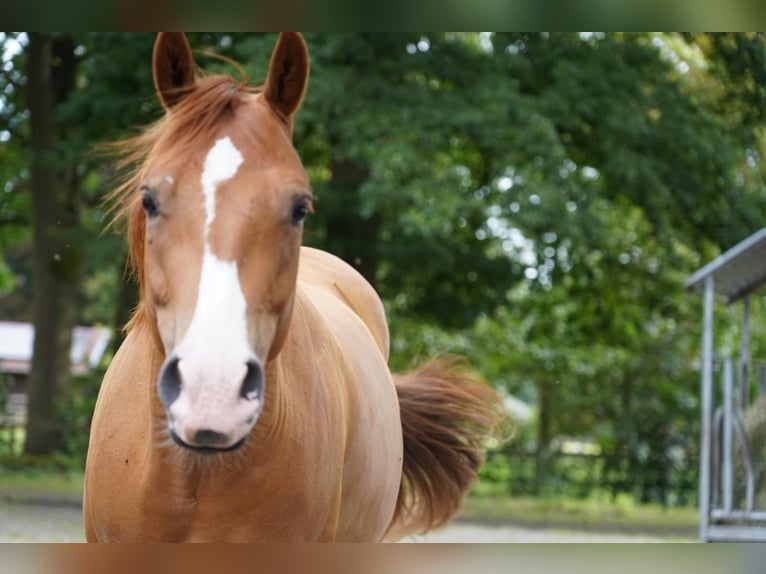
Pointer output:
738, 272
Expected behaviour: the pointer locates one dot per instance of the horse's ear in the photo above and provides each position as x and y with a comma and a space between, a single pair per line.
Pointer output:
288, 73
173, 67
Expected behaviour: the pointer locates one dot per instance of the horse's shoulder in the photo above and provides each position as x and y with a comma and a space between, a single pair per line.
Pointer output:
332, 274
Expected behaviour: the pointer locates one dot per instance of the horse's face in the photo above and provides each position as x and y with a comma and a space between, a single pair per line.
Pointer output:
223, 226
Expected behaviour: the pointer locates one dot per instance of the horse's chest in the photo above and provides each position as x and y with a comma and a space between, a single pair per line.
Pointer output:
236, 518
168, 508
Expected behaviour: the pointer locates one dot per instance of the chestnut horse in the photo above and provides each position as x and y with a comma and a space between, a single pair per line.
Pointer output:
251, 399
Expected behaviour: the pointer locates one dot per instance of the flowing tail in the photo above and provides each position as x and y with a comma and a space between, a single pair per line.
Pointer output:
447, 417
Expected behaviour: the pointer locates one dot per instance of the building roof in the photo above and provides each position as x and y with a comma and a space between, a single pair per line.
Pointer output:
17, 342
738, 272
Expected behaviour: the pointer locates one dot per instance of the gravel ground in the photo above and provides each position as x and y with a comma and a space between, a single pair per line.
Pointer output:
20, 522
462, 532
26, 522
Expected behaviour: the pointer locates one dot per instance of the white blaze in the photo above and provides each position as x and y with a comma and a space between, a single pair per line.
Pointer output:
222, 162
213, 353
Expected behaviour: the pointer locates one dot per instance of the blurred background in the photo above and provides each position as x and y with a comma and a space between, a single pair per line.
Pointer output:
534, 202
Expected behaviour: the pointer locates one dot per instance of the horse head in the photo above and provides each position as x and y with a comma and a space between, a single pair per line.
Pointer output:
223, 197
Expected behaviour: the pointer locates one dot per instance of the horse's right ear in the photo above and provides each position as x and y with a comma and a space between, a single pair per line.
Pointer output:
173, 67
288, 74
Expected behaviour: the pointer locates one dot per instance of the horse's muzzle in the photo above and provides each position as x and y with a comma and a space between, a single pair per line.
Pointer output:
206, 443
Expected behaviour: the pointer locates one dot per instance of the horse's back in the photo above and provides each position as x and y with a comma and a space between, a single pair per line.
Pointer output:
353, 315
324, 271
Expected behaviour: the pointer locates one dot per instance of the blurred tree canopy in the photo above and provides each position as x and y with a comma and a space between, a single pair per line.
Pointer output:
534, 201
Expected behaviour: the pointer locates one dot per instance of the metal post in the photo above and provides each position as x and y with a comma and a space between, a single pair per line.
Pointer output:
744, 356
707, 407
728, 424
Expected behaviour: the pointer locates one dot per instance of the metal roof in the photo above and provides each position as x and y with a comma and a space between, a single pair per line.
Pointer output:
738, 272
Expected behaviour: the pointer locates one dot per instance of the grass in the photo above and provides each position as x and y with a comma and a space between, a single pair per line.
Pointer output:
40, 480
50, 482
13, 439
597, 515
50, 477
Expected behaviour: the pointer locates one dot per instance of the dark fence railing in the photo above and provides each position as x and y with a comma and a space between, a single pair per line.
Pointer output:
658, 479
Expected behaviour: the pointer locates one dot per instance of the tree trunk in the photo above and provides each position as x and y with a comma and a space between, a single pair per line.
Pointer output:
56, 257
348, 236
626, 441
543, 455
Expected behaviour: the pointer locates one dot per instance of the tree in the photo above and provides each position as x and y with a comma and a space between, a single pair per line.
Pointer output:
57, 257
57, 107
615, 218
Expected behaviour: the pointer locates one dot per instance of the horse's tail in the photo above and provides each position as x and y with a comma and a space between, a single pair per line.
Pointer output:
447, 416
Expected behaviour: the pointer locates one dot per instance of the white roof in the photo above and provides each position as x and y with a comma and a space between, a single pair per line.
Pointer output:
17, 343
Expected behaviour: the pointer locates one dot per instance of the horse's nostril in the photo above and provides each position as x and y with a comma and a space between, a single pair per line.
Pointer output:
209, 438
252, 385
170, 381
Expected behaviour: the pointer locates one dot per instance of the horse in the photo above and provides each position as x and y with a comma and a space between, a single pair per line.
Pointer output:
251, 399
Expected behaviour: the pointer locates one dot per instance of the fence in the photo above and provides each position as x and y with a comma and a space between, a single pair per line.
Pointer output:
730, 509
13, 417
658, 479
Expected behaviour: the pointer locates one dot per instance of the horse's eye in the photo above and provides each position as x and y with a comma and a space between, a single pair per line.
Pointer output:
300, 213
149, 203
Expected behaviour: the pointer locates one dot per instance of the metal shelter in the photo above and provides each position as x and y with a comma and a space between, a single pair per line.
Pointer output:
727, 502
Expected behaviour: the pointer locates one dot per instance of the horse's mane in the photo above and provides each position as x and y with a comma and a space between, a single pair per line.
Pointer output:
195, 117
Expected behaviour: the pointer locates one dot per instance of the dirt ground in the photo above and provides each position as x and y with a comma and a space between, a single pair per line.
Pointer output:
34, 522
20, 522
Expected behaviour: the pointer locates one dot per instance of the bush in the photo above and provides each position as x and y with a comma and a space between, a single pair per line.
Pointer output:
75, 412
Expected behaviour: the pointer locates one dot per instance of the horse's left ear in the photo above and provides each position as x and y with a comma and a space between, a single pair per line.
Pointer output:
288, 74
173, 67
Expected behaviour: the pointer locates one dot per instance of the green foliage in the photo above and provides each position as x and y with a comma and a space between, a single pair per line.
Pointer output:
74, 412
